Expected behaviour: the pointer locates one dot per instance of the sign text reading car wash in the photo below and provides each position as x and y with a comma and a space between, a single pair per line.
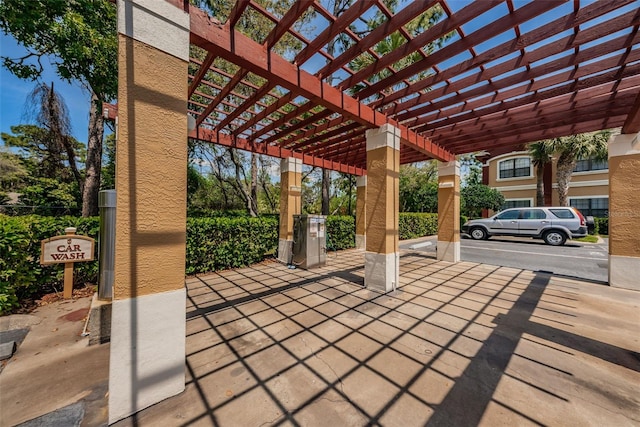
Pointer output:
69, 248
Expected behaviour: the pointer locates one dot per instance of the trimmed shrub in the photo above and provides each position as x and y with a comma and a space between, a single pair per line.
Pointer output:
341, 232
602, 226
413, 225
218, 243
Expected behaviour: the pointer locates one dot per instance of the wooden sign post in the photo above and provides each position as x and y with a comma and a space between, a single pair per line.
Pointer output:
67, 249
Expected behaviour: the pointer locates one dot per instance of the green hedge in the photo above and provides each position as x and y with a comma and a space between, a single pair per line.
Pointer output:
602, 226
341, 232
413, 225
218, 243
212, 244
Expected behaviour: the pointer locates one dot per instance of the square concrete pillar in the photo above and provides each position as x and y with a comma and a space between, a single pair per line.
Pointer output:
624, 216
361, 197
290, 204
147, 351
448, 246
382, 262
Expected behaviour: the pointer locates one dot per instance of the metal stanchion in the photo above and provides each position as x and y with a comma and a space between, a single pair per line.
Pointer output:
106, 254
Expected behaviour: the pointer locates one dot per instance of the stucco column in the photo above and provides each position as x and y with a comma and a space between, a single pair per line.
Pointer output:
624, 216
382, 263
448, 247
147, 361
361, 197
290, 204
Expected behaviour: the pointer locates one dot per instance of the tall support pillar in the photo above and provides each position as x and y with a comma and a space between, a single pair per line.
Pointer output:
361, 206
290, 204
624, 199
147, 360
382, 262
448, 247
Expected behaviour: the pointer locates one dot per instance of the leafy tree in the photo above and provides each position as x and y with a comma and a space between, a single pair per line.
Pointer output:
419, 187
50, 195
80, 38
108, 174
473, 167
475, 197
41, 155
572, 148
541, 154
13, 172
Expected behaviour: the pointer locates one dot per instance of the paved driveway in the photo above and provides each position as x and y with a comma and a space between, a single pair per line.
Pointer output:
457, 345
575, 259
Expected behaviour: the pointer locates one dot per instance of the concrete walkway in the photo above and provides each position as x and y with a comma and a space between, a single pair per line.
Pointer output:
457, 345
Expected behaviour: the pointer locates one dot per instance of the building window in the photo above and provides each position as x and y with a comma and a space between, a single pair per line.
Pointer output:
517, 203
598, 206
515, 168
584, 165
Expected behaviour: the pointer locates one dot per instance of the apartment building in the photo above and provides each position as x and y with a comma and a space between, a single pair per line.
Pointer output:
514, 175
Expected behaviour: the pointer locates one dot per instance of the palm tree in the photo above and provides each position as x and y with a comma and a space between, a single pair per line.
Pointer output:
572, 148
540, 153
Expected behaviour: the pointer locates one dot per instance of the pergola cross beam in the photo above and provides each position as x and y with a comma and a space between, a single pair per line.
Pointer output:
249, 55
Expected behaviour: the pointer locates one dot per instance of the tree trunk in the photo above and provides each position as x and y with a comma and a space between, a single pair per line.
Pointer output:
540, 184
94, 160
254, 182
565, 166
326, 184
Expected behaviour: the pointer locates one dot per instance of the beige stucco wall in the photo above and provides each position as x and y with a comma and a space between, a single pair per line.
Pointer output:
383, 165
151, 161
624, 199
493, 174
597, 190
290, 202
589, 176
520, 194
449, 209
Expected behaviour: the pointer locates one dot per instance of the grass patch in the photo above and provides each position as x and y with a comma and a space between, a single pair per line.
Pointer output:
587, 239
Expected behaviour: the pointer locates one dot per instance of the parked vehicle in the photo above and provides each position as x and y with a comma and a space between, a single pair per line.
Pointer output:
552, 224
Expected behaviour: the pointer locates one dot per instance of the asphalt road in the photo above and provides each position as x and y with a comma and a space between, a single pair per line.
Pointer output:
575, 259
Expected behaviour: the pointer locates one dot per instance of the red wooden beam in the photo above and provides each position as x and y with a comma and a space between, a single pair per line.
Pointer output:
503, 24
292, 15
270, 109
236, 12
226, 90
529, 74
609, 82
463, 16
411, 11
332, 30
559, 25
536, 105
252, 100
202, 71
545, 124
632, 123
325, 136
247, 54
537, 134
210, 136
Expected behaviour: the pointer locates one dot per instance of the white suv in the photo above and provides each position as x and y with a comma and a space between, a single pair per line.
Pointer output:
552, 224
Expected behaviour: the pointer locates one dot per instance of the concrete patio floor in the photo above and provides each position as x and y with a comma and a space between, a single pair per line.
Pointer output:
456, 345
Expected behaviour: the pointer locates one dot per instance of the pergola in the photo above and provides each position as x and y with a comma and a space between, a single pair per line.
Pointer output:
486, 76
509, 73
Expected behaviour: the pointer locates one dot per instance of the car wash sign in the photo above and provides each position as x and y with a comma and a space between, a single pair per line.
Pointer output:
68, 248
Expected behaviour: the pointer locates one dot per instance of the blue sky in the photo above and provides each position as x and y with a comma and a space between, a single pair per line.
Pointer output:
14, 91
